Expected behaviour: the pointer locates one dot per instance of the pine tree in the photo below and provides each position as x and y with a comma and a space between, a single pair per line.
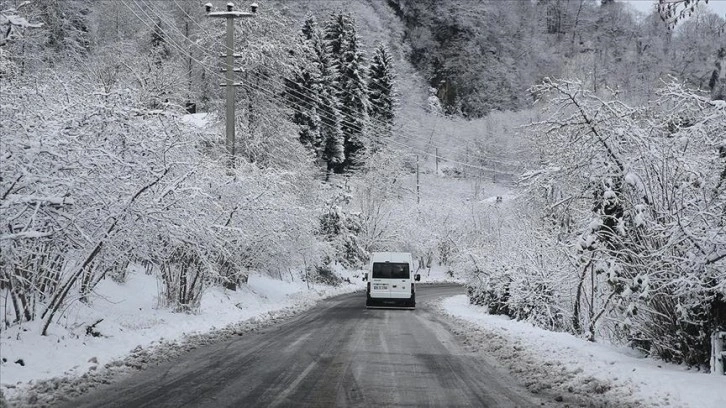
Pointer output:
381, 93
301, 94
325, 86
158, 42
343, 41
310, 27
337, 30
304, 102
717, 84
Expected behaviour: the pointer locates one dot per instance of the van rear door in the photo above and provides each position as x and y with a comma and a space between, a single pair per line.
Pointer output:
400, 280
380, 282
391, 280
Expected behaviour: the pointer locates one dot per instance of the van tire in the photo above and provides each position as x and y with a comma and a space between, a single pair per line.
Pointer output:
410, 302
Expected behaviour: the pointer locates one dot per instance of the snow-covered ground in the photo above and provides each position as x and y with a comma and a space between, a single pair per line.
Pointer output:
135, 332
579, 371
132, 322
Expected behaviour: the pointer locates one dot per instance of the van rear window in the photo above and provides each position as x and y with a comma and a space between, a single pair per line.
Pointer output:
391, 270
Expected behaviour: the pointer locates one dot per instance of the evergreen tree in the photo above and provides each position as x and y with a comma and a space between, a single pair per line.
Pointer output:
300, 94
300, 90
343, 45
158, 41
66, 24
328, 106
312, 94
717, 83
310, 27
381, 93
337, 31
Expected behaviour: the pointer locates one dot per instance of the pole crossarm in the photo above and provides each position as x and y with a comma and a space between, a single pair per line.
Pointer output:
229, 14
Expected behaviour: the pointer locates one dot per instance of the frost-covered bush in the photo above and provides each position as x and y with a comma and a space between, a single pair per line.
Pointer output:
512, 269
620, 232
492, 292
78, 172
94, 181
532, 298
341, 227
636, 197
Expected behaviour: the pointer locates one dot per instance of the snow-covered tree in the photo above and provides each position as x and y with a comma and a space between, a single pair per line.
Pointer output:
343, 45
673, 11
381, 93
304, 101
341, 227
328, 108
644, 239
67, 25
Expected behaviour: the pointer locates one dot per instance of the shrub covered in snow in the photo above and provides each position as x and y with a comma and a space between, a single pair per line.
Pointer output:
621, 233
95, 181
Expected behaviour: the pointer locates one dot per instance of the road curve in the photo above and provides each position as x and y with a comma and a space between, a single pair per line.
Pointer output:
337, 354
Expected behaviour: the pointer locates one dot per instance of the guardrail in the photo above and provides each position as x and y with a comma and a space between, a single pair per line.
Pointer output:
718, 354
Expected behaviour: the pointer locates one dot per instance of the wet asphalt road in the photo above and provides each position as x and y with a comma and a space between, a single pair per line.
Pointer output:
338, 354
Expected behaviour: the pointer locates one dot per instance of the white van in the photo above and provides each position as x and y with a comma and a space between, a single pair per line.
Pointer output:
391, 280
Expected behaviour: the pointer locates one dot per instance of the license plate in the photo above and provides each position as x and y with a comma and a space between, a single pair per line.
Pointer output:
380, 287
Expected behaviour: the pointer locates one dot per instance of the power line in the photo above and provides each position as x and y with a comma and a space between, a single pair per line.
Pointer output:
252, 87
272, 79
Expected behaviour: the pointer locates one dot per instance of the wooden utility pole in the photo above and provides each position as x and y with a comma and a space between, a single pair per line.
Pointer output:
230, 15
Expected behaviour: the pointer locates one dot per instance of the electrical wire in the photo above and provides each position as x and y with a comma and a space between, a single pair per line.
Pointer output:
252, 87
401, 129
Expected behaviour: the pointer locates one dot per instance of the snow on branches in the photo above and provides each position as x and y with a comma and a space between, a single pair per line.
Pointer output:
94, 182
629, 202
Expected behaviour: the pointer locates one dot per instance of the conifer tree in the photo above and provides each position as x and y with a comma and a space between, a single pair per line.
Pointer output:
301, 94
337, 30
381, 93
304, 102
310, 27
67, 25
321, 124
343, 45
329, 106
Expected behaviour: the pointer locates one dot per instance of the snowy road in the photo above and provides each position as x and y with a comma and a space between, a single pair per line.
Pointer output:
337, 354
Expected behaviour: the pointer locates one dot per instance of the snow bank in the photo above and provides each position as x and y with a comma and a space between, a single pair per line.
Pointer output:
580, 371
201, 120
438, 274
132, 325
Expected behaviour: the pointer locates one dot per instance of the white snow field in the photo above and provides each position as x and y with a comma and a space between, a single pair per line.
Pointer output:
565, 365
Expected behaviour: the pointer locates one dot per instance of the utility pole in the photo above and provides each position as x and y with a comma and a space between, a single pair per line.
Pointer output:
418, 186
230, 15
466, 166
